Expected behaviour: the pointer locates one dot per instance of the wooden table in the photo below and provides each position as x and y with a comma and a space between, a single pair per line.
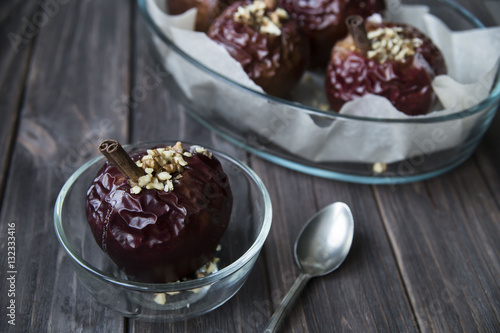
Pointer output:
425, 257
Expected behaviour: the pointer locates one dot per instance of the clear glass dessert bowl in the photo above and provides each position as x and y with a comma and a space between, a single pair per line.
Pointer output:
240, 246
299, 134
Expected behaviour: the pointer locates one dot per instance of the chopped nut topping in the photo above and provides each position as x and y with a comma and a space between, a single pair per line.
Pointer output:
389, 43
136, 189
255, 15
203, 151
379, 167
160, 298
164, 175
162, 166
207, 269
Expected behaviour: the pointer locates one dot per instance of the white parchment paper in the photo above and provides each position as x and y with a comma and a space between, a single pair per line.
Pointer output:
472, 59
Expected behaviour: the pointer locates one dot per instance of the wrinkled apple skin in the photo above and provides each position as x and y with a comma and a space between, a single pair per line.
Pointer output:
323, 21
406, 85
208, 10
157, 236
275, 63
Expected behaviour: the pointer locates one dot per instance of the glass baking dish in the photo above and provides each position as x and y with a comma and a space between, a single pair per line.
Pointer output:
300, 135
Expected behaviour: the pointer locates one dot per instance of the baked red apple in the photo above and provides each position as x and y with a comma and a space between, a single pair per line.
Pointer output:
161, 218
393, 60
269, 46
208, 10
323, 21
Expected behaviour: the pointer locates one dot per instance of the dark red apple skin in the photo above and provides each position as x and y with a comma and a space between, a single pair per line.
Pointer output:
157, 236
323, 21
406, 85
208, 10
275, 63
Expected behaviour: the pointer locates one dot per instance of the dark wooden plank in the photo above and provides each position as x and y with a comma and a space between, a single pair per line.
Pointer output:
291, 208
79, 66
366, 292
373, 287
445, 235
487, 157
18, 35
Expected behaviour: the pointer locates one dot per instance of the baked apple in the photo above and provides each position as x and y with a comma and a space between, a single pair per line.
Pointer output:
323, 21
161, 216
393, 60
269, 46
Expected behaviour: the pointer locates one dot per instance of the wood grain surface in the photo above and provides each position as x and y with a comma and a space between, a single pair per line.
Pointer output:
425, 256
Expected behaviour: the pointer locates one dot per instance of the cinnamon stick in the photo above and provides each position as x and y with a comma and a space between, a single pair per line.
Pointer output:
356, 26
115, 154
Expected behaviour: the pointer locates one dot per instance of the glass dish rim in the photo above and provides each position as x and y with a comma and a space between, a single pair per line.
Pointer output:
172, 286
493, 96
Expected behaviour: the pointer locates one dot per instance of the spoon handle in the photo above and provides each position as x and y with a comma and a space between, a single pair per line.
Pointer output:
286, 303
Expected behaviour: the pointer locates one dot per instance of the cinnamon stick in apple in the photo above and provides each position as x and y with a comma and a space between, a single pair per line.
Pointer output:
115, 153
356, 26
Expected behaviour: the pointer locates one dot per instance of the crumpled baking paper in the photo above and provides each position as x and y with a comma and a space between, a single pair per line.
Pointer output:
472, 58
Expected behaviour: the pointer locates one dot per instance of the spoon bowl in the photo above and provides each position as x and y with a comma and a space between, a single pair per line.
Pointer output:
325, 240
321, 247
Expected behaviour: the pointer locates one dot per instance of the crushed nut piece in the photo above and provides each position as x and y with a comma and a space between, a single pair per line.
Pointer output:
201, 150
178, 147
269, 27
379, 167
164, 175
169, 186
136, 189
160, 298
211, 268
144, 180
196, 290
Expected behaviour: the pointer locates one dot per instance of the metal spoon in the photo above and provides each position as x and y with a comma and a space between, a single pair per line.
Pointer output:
321, 247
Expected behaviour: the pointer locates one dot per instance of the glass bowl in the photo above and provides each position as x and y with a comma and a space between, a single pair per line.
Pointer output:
240, 246
304, 137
